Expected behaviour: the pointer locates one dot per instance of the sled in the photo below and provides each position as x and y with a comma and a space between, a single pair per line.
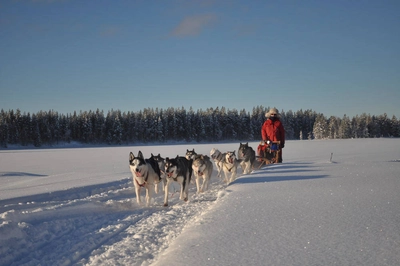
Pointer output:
268, 152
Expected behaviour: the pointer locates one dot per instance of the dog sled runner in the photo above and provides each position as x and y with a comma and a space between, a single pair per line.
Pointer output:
268, 152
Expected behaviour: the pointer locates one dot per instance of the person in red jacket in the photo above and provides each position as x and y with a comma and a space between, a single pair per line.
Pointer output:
272, 130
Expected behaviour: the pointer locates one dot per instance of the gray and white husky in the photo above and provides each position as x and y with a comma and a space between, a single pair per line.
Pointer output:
146, 174
229, 166
202, 168
218, 157
178, 170
247, 156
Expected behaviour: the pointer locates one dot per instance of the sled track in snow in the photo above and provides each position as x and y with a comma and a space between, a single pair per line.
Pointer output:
84, 226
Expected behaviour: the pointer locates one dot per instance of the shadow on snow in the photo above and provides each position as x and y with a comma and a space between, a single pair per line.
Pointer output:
280, 172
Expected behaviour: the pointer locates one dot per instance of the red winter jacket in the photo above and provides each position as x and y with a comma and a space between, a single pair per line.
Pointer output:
273, 131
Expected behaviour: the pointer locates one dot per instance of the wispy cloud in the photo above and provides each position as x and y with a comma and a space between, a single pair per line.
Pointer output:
193, 25
108, 31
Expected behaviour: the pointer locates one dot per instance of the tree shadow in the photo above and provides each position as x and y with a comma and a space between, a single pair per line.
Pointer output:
8, 174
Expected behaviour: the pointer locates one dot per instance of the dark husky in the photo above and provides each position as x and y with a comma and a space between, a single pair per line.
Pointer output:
247, 156
178, 170
190, 154
146, 174
161, 164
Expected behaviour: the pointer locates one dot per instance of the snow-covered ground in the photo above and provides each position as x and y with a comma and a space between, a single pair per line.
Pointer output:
77, 207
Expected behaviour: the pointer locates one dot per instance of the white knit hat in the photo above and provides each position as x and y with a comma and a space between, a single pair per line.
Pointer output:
272, 111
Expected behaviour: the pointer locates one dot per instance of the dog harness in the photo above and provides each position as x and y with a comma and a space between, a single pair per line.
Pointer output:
145, 181
141, 185
229, 169
219, 157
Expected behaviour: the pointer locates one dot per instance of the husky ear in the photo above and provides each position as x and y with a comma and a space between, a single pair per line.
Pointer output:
140, 155
131, 157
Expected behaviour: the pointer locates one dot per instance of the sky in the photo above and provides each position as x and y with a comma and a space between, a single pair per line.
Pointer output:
78, 207
334, 57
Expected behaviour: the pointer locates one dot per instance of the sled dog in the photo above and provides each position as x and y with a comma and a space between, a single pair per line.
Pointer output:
190, 154
247, 156
229, 166
178, 170
161, 165
202, 168
146, 174
218, 158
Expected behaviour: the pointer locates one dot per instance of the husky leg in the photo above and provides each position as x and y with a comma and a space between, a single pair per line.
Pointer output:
149, 192
137, 191
233, 177
219, 167
226, 179
198, 183
166, 186
156, 187
182, 192
185, 189
204, 186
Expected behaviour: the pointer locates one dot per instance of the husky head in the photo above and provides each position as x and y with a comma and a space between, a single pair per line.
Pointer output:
230, 157
215, 153
171, 167
243, 148
190, 154
199, 164
160, 161
139, 167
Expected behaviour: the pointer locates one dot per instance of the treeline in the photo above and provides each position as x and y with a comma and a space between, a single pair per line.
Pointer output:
177, 124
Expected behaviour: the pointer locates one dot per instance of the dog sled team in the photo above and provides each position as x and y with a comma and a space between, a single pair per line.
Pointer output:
156, 171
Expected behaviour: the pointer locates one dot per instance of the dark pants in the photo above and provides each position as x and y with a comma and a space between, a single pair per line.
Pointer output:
280, 156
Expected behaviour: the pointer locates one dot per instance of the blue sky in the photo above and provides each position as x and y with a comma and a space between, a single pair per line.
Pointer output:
335, 57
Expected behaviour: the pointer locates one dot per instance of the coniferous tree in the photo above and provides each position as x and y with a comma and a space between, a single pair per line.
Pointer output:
3, 130
395, 127
345, 129
117, 130
333, 127
320, 130
151, 125
289, 124
36, 138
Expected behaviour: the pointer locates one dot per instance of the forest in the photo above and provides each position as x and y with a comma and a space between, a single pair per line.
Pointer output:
154, 125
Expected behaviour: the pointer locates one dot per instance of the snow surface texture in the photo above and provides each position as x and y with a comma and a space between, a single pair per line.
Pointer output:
77, 207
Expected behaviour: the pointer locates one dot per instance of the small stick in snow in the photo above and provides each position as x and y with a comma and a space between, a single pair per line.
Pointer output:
331, 156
